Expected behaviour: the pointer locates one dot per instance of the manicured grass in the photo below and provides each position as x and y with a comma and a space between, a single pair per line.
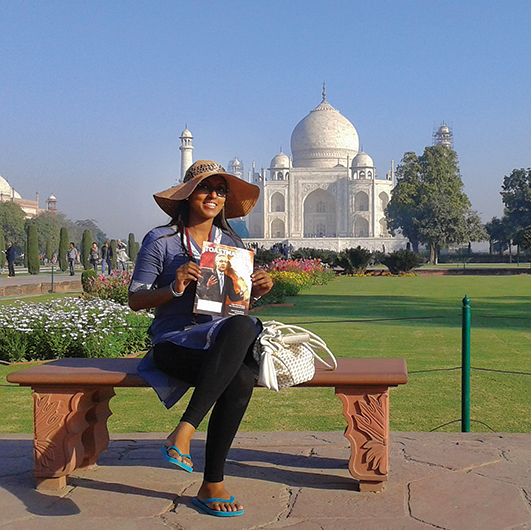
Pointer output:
415, 317
6, 300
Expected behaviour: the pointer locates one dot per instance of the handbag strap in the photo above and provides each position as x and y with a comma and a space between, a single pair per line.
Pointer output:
314, 342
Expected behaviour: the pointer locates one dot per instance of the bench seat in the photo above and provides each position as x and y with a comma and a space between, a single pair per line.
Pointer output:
71, 407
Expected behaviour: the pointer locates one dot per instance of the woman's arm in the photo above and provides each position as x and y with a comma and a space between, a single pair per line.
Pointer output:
147, 299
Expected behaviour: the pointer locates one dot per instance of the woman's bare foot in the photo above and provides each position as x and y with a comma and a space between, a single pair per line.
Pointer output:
181, 438
216, 490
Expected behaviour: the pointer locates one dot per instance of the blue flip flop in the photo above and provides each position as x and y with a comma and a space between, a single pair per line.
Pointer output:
217, 513
166, 448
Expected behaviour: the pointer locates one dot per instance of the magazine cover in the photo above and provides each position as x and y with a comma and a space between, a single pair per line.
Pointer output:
224, 286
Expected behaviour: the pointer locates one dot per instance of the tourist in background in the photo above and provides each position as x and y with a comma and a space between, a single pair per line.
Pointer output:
121, 256
71, 256
106, 257
10, 257
94, 256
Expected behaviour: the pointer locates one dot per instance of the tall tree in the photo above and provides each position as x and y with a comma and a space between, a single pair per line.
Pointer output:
86, 244
98, 235
402, 210
516, 196
500, 234
12, 224
63, 248
47, 229
428, 203
32, 250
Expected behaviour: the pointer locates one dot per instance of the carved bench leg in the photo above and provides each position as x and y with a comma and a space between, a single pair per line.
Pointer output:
61, 417
366, 410
96, 437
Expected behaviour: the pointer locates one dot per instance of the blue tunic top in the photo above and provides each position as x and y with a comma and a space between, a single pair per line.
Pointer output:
161, 254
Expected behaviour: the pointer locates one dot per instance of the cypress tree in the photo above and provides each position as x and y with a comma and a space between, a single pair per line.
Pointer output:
63, 248
131, 245
86, 245
113, 259
49, 248
2, 249
33, 250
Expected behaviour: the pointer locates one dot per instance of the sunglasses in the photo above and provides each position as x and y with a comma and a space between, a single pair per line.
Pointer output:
221, 191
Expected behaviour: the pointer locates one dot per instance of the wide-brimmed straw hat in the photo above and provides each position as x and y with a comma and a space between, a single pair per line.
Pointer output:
239, 202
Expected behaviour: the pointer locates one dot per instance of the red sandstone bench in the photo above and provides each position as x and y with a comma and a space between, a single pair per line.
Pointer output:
71, 406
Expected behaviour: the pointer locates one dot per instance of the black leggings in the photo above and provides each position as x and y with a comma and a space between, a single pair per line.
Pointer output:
224, 378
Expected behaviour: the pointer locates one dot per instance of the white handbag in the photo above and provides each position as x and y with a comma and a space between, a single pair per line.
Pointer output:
286, 355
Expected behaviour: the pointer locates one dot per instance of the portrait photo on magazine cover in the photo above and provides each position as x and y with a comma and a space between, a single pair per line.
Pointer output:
224, 286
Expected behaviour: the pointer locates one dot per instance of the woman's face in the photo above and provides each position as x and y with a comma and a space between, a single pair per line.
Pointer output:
205, 203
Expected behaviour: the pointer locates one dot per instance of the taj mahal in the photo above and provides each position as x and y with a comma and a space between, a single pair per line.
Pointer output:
325, 195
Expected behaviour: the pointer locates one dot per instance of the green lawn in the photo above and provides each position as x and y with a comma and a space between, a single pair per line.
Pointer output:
416, 317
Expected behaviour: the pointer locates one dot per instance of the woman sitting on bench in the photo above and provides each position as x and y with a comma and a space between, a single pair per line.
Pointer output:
210, 353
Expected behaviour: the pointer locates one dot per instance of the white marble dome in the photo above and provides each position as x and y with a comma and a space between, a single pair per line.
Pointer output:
7, 190
323, 139
362, 160
186, 134
280, 161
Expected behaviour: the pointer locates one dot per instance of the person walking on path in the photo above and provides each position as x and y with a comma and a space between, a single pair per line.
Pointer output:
213, 354
71, 256
106, 258
94, 256
121, 256
10, 257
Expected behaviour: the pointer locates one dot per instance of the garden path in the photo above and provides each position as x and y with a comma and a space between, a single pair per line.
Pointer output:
296, 480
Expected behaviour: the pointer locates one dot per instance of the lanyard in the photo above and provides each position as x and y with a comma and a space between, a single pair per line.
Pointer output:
192, 251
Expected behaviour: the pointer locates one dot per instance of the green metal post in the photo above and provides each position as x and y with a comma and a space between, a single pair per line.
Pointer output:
465, 367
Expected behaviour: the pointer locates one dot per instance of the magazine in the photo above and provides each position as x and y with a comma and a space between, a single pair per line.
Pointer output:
224, 285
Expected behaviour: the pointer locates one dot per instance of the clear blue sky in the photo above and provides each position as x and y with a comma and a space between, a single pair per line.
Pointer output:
94, 94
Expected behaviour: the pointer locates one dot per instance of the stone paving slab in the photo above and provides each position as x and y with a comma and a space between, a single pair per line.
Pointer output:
295, 480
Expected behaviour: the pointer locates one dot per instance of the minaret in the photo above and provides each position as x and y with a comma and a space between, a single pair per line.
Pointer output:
186, 151
443, 136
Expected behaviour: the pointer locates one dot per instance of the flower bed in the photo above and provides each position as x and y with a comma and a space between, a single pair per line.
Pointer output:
291, 276
113, 287
70, 327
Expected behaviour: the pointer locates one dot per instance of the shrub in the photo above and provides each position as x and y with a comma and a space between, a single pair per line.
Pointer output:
285, 283
86, 277
263, 258
355, 260
33, 250
402, 261
325, 256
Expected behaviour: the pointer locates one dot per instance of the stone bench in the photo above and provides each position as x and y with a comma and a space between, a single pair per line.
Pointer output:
71, 406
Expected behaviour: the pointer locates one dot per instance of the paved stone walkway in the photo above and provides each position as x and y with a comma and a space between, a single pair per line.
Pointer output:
292, 480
